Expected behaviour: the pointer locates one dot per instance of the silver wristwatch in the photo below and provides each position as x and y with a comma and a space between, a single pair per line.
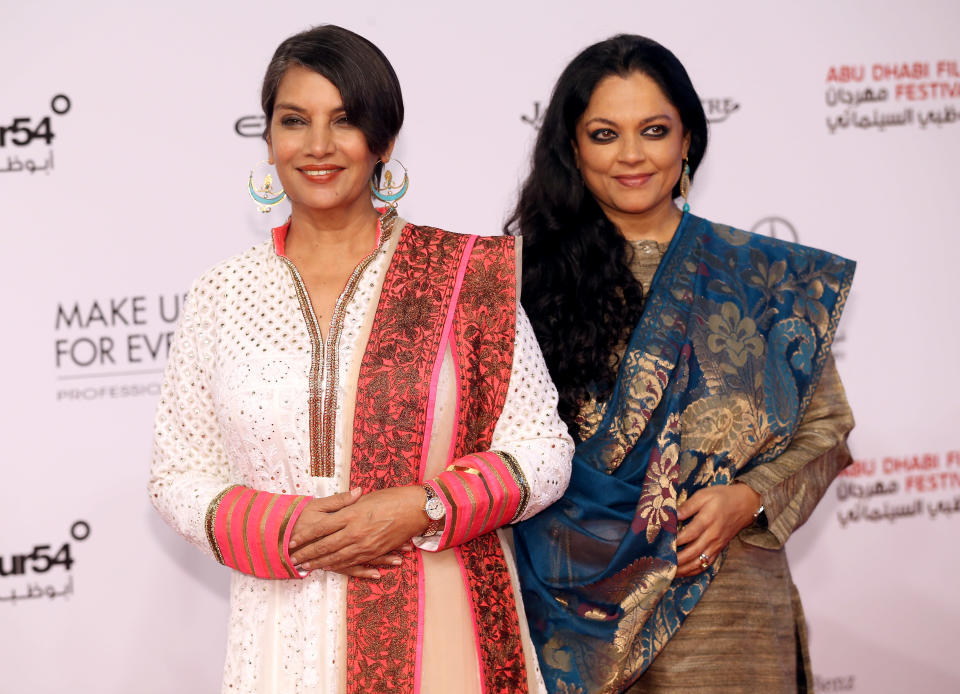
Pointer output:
435, 511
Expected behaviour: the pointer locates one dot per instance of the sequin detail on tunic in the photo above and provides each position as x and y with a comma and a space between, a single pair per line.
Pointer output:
234, 410
518, 479
209, 519
324, 361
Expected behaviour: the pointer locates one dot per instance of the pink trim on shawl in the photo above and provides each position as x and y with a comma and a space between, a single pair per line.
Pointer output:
421, 601
473, 621
482, 332
438, 361
428, 430
456, 403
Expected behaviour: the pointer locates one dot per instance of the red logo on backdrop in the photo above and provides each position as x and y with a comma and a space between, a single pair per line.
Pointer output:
897, 487
881, 96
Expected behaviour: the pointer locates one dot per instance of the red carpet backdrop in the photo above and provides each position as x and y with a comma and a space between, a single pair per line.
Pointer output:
126, 135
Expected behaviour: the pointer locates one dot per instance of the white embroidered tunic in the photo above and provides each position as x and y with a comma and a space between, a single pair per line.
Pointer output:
235, 410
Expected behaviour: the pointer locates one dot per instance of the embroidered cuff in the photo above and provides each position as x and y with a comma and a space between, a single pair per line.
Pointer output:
480, 492
250, 530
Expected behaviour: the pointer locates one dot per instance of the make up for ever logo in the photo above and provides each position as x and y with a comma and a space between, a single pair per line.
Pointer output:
113, 347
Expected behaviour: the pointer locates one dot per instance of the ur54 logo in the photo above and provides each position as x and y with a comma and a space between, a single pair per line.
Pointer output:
22, 131
43, 557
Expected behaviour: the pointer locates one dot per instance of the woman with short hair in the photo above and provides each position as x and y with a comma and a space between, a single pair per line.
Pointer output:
350, 384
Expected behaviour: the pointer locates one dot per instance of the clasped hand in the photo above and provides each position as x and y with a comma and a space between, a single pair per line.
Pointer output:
718, 514
353, 533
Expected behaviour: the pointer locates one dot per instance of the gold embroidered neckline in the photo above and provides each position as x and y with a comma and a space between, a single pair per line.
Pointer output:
324, 358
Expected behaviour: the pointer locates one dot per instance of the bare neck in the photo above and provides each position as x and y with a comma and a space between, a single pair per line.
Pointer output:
315, 232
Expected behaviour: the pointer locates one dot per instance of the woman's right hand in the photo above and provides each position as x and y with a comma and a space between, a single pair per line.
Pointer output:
718, 513
314, 524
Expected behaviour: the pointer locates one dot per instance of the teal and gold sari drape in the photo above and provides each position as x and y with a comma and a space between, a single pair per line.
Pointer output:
713, 382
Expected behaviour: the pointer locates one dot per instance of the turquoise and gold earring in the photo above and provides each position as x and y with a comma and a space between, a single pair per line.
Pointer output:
685, 184
389, 192
265, 196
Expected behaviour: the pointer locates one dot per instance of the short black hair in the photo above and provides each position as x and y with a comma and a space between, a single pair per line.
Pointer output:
366, 80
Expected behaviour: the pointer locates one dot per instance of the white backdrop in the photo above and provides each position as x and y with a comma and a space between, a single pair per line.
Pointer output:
122, 177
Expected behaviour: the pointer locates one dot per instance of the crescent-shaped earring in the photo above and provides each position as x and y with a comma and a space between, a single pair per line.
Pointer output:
389, 192
265, 196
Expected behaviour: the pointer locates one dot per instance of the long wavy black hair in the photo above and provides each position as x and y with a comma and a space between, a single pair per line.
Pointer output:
578, 290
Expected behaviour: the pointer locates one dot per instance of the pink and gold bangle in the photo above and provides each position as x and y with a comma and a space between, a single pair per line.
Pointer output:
481, 492
249, 530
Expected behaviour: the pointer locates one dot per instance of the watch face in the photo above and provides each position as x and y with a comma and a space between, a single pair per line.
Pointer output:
435, 509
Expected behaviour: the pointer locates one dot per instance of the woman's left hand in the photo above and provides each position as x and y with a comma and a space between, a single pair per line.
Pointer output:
375, 525
718, 513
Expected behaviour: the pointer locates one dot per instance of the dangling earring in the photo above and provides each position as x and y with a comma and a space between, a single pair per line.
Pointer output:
265, 195
389, 192
685, 184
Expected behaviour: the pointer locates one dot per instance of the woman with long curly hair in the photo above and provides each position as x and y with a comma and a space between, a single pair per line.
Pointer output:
694, 371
